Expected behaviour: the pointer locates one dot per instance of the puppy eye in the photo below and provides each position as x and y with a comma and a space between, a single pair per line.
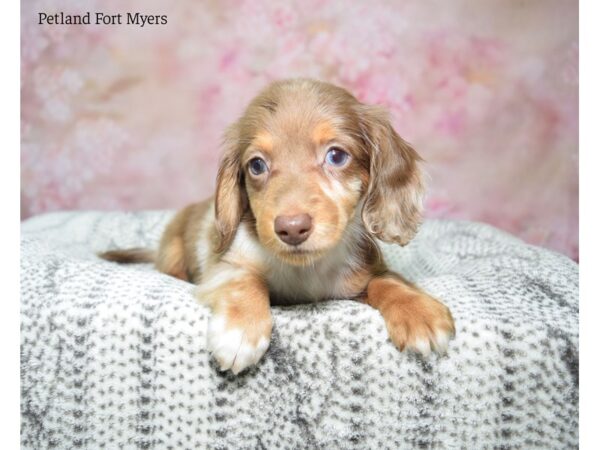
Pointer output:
336, 157
257, 166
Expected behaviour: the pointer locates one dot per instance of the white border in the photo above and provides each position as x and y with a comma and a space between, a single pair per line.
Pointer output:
9, 232
589, 194
589, 126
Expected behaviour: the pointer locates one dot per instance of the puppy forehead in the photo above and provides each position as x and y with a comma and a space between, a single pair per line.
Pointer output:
280, 137
299, 119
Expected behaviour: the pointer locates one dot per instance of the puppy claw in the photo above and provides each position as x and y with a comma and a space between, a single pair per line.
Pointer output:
441, 341
423, 346
426, 345
231, 348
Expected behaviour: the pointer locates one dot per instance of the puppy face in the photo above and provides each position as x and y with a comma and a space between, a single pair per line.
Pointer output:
304, 176
301, 161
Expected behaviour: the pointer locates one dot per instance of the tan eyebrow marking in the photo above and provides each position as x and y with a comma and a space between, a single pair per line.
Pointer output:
263, 141
323, 132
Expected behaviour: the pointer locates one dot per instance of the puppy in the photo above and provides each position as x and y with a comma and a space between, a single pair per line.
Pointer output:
309, 177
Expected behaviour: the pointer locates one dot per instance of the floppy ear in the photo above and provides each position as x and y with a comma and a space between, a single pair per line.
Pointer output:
229, 197
394, 199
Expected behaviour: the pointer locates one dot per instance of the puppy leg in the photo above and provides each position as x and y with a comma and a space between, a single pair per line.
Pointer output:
239, 329
415, 320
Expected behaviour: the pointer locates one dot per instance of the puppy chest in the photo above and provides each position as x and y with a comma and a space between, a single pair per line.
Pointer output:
304, 285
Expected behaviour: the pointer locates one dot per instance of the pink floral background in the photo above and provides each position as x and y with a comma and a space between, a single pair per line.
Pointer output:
124, 117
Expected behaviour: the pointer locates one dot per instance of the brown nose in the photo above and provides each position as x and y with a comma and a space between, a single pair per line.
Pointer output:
293, 230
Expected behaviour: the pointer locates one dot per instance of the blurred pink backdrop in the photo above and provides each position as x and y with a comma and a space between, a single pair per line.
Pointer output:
124, 117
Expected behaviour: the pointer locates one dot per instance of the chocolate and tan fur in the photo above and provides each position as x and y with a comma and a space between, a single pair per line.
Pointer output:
309, 177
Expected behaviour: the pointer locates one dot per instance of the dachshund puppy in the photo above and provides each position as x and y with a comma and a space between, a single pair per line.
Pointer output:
309, 177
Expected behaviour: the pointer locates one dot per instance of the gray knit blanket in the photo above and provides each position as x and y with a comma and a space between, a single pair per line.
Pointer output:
115, 356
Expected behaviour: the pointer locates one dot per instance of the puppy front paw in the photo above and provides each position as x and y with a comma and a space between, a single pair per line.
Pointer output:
420, 324
237, 346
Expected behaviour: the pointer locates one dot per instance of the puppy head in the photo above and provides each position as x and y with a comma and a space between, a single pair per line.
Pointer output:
303, 159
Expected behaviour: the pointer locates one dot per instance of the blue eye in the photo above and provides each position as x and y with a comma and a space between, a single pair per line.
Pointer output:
257, 166
336, 157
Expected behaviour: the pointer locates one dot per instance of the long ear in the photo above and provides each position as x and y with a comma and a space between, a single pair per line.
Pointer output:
394, 199
229, 197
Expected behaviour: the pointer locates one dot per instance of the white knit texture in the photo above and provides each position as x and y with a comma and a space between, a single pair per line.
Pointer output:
115, 356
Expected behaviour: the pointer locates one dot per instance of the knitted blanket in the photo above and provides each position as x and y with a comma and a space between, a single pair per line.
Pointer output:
114, 356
